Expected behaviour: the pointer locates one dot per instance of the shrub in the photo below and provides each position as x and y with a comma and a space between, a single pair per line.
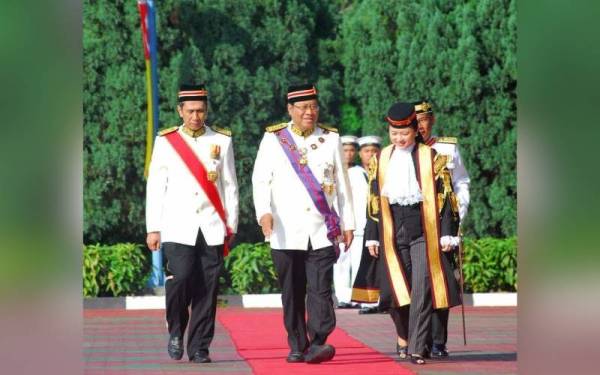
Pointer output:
249, 269
490, 264
114, 270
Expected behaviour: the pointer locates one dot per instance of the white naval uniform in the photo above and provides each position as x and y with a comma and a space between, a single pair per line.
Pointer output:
460, 177
346, 268
176, 205
278, 190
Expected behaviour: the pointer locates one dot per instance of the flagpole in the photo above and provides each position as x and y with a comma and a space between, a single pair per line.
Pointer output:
153, 62
148, 22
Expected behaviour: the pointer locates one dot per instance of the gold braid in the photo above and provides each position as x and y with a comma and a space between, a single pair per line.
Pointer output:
441, 171
373, 200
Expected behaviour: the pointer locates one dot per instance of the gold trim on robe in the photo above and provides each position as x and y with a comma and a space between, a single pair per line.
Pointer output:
431, 227
365, 295
373, 199
396, 272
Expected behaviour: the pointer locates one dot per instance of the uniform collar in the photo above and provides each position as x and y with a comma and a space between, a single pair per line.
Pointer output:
194, 133
301, 133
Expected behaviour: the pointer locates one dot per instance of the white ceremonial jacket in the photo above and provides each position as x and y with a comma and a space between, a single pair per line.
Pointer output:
278, 190
176, 205
360, 195
460, 177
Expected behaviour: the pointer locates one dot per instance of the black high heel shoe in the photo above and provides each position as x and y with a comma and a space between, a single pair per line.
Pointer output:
417, 359
402, 351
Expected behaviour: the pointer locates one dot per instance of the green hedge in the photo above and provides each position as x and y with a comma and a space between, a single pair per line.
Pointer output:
490, 265
115, 270
249, 270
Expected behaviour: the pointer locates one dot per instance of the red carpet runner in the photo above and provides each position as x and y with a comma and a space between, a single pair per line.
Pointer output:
260, 338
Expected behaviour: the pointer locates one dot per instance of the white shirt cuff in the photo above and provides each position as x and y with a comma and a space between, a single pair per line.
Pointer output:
371, 243
449, 240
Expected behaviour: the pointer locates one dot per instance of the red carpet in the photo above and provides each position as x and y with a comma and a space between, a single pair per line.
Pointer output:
260, 338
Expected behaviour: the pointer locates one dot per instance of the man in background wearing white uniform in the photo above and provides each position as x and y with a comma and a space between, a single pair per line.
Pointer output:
342, 269
460, 183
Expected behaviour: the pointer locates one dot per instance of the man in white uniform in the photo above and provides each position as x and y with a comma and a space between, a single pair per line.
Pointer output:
297, 177
192, 212
342, 270
460, 183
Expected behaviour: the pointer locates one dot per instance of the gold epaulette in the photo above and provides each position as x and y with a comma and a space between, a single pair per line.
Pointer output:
439, 162
276, 127
327, 127
219, 130
168, 130
452, 140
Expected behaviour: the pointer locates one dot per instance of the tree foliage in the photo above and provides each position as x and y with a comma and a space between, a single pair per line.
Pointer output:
461, 56
246, 52
363, 55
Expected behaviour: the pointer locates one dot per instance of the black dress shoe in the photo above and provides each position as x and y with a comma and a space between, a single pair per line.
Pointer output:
439, 350
344, 305
175, 348
319, 353
200, 357
295, 357
369, 310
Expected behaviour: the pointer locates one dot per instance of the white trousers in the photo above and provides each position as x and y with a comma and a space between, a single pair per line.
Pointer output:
345, 270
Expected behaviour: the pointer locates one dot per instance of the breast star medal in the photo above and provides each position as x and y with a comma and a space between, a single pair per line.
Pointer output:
328, 184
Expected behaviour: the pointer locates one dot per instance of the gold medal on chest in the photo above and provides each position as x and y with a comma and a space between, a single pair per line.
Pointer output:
303, 160
215, 151
212, 176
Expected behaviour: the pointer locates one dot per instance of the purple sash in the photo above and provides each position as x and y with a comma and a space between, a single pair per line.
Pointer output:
312, 185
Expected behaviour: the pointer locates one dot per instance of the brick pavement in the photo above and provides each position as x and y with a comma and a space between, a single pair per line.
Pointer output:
134, 342
491, 340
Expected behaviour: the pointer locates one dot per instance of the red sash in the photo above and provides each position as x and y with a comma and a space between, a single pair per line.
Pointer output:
199, 172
